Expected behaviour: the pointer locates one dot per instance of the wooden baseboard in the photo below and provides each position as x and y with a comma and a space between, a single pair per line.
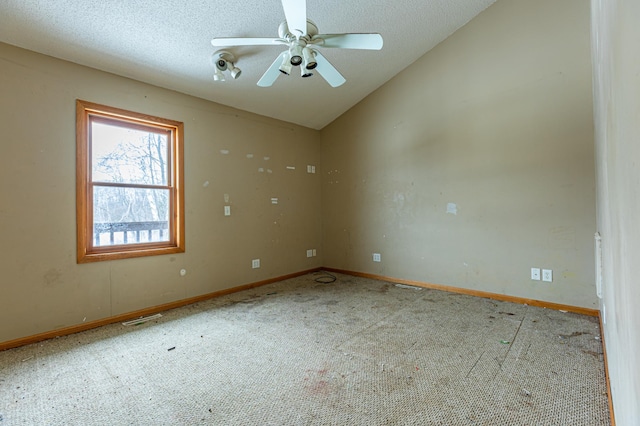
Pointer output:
142, 312
477, 293
179, 303
606, 373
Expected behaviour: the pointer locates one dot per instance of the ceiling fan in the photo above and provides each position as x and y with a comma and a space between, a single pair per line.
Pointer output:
301, 37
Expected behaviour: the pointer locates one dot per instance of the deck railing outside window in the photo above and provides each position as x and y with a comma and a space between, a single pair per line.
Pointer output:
105, 234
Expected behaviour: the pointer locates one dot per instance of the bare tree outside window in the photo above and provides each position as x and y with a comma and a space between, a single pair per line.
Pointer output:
132, 157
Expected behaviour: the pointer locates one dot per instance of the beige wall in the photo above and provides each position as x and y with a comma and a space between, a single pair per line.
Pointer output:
616, 65
497, 120
42, 287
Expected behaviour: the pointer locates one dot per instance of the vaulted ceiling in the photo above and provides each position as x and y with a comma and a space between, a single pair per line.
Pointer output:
167, 43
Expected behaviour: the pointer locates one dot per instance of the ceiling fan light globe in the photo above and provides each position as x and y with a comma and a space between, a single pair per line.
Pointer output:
285, 67
296, 55
221, 64
235, 73
218, 76
308, 59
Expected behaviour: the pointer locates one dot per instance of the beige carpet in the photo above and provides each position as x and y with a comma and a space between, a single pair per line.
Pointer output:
298, 352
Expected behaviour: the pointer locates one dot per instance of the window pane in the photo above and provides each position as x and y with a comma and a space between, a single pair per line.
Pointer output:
124, 155
130, 215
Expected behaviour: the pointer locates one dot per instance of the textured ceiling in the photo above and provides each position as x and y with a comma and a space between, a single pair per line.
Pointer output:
167, 43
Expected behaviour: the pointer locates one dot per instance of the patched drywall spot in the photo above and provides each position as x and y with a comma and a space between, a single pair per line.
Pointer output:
261, 170
226, 198
291, 167
267, 158
336, 173
205, 184
269, 171
452, 208
562, 237
52, 277
249, 156
224, 151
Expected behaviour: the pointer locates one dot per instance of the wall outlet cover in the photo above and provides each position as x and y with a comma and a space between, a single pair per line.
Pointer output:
376, 257
535, 274
547, 275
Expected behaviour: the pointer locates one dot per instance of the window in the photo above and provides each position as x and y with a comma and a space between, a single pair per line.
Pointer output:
130, 198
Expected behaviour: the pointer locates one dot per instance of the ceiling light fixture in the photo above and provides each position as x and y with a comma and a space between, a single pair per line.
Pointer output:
296, 55
217, 75
223, 61
285, 67
308, 58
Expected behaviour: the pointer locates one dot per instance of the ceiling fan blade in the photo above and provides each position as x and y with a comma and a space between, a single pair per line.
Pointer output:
269, 77
245, 41
349, 41
328, 71
296, 13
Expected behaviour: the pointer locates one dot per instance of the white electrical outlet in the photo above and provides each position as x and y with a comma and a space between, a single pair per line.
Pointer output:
376, 257
535, 274
309, 253
547, 275
255, 263
227, 210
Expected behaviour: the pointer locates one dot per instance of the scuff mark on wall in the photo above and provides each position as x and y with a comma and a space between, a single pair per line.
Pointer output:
452, 208
52, 277
224, 151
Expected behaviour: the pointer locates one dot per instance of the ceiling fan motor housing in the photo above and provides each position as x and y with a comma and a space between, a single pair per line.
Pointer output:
284, 33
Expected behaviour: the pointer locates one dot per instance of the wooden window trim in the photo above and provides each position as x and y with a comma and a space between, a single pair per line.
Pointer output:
84, 187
